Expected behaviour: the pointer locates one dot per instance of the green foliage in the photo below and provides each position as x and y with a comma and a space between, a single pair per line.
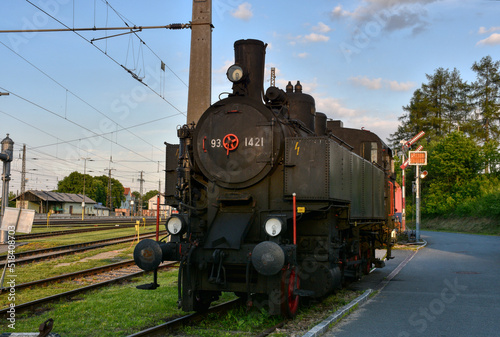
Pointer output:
461, 122
148, 196
145, 197
12, 203
96, 188
456, 184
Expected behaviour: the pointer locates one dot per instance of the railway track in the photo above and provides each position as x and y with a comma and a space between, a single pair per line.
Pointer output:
30, 236
49, 253
78, 222
165, 328
69, 294
82, 273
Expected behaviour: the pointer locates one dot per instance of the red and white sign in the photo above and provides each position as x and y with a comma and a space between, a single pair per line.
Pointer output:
418, 157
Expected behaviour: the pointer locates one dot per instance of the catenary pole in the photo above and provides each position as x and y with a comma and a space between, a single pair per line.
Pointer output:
200, 66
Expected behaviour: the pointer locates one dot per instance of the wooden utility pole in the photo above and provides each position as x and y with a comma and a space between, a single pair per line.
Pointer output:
200, 66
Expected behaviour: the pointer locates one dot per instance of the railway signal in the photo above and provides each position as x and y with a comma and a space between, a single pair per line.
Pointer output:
406, 145
418, 158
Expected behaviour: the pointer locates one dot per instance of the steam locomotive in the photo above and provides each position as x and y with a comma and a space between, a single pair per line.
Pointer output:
275, 201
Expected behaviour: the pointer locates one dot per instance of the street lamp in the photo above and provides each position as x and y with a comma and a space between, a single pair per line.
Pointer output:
6, 157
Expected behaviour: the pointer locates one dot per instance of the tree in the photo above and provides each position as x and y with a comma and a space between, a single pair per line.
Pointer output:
145, 197
96, 188
148, 196
486, 95
437, 107
454, 166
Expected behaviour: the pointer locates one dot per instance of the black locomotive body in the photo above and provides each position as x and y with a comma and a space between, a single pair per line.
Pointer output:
275, 202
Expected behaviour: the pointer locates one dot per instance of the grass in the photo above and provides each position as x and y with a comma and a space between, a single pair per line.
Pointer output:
470, 225
245, 323
64, 265
112, 311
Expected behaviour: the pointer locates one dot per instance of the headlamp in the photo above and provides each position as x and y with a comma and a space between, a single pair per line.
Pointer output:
176, 225
274, 226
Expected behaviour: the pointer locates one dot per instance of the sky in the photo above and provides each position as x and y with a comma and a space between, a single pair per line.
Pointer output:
97, 103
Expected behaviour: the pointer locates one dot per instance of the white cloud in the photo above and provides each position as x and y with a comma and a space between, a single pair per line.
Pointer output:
484, 30
388, 15
243, 12
493, 39
382, 127
223, 68
370, 83
313, 37
338, 12
379, 83
321, 28
303, 55
333, 108
400, 86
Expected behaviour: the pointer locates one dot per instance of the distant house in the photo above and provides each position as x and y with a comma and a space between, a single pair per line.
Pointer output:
55, 202
100, 210
128, 205
152, 207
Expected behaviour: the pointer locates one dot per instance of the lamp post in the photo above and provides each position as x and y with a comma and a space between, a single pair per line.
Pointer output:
6, 157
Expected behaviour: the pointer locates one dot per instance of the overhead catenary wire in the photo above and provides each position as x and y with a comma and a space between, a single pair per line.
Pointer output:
78, 97
105, 53
122, 128
74, 123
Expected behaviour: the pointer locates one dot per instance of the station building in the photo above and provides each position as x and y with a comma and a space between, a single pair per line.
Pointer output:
58, 203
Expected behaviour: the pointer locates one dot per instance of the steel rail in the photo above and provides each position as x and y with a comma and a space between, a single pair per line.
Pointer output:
30, 236
162, 329
77, 222
28, 305
48, 253
76, 274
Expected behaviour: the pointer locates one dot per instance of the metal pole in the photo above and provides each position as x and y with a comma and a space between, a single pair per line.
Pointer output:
5, 197
417, 225
6, 157
403, 201
158, 218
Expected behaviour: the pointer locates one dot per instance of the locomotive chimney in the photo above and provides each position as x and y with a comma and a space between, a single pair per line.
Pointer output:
251, 55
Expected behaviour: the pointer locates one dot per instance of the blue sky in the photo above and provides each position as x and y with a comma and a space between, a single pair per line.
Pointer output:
360, 59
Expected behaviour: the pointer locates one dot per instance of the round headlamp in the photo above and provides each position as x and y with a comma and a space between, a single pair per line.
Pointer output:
274, 226
235, 73
175, 225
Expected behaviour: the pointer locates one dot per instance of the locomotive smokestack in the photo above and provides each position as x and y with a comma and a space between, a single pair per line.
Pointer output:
251, 55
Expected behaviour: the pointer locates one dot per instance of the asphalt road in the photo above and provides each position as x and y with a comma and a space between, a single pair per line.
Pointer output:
449, 288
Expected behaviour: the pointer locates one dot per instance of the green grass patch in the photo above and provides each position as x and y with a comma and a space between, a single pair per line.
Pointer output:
469, 225
112, 311
245, 323
236, 322
64, 265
